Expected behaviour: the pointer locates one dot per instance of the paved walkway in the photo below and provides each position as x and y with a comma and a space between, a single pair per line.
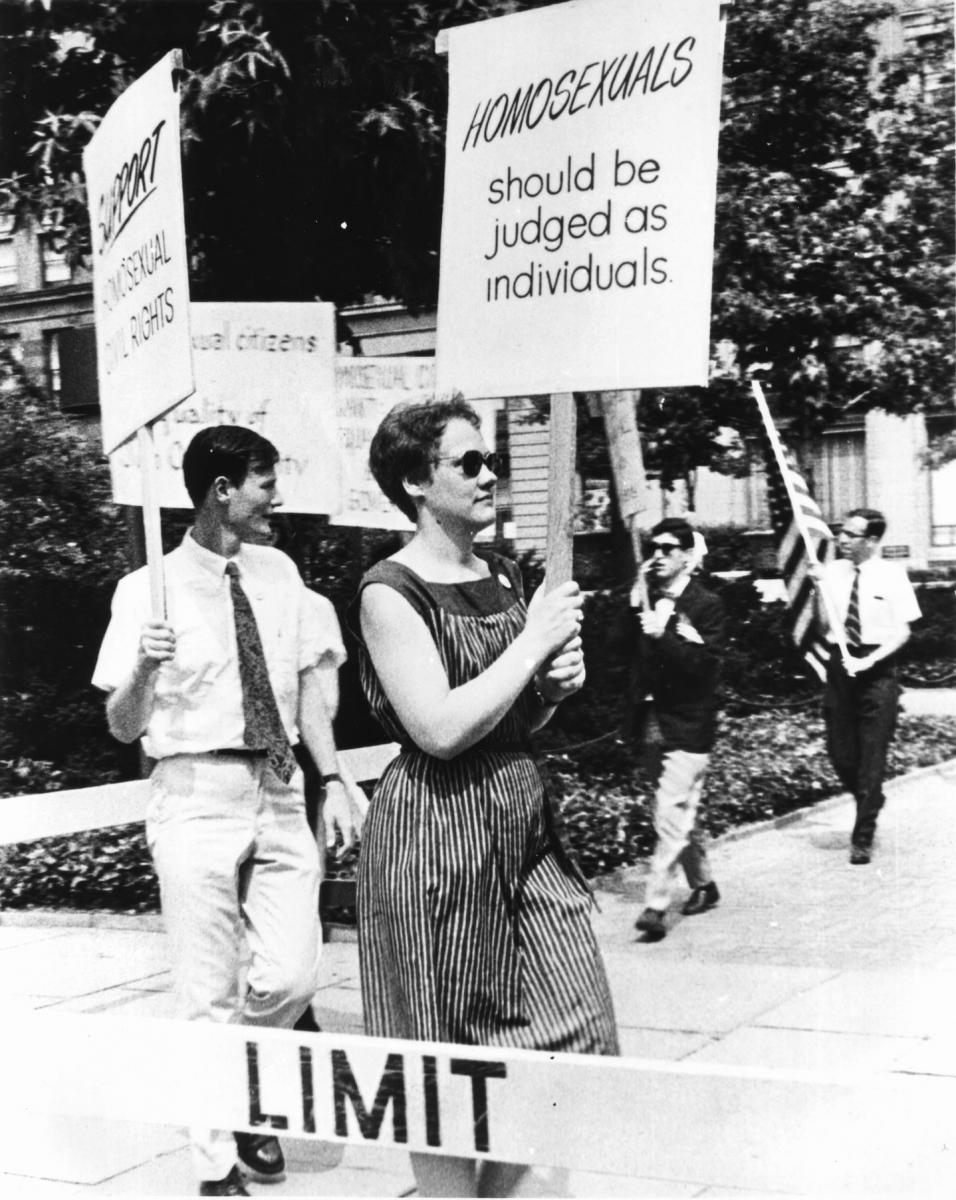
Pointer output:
808, 965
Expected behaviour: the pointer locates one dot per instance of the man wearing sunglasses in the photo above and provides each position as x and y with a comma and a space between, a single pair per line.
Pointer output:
875, 600
682, 638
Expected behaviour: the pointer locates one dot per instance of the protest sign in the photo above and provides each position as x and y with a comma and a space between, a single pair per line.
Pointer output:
140, 269
580, 180
365, 390
268, 367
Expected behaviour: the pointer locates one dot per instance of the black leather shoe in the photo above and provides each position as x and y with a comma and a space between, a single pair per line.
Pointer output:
232, 1185
701, 898
651, 924
859, 855
261, 1153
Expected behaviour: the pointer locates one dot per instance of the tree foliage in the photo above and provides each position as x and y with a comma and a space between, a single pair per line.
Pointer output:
59, 521
61, 550
312, 132
313, 167
833, 272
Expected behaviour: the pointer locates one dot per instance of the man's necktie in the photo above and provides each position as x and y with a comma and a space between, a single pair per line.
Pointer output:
263, 725
851, 626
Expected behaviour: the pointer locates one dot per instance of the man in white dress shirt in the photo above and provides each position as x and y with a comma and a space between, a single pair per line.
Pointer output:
219, 691
875, 601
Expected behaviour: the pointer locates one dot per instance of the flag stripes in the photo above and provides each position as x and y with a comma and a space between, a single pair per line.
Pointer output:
798, 530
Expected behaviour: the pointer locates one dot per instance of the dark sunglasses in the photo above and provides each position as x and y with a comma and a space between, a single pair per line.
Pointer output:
663, 547
471, 462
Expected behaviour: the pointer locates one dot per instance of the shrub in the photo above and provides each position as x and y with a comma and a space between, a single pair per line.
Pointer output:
764, 765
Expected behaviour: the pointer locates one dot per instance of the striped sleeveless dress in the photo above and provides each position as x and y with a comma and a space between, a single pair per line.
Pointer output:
473, 925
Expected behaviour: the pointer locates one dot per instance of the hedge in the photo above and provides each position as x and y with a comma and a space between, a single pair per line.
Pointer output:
764, 765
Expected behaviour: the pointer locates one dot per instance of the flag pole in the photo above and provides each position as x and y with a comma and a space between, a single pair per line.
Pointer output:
836, 625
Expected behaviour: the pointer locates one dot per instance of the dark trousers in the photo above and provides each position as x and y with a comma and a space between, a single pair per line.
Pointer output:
860, 714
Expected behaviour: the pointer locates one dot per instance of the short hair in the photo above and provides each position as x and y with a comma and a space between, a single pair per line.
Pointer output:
405, 445
678, 528
875, 521
229, 450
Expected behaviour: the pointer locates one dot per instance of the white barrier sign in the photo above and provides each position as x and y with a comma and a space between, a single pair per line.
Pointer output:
269, 367
140, 270
652, 1119
580, 182
365, 390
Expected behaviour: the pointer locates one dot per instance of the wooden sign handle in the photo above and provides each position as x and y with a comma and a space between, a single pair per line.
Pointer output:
559, 554
151, 522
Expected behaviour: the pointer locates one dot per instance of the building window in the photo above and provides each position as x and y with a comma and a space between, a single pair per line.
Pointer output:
51, 359
839, 473
9, 277
928, 29
942, 485
55, 267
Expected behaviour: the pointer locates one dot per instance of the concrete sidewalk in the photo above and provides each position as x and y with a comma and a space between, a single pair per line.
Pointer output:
808, 964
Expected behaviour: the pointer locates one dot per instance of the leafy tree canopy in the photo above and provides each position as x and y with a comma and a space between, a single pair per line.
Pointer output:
312, 132
313, 167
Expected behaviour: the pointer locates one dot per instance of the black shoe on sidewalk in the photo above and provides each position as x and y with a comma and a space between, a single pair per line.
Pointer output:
261, 1153
232, 1185
651, 924
859, 855
701, 899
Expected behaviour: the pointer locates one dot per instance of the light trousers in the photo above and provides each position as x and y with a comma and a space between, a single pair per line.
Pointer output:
681, 842
239, 879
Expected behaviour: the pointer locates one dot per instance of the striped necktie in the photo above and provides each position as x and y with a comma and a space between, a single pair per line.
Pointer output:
851, 626
263, 725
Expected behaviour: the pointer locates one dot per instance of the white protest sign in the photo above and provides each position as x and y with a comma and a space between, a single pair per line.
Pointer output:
269, 367
580, 183
365, 390
140, 270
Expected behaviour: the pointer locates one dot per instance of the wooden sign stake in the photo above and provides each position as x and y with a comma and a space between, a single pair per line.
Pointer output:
559, 556
151, 522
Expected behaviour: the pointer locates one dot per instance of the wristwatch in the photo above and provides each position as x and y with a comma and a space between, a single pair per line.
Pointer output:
541, 698
332, 778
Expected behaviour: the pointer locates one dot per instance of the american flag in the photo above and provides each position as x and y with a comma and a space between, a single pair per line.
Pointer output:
799, 531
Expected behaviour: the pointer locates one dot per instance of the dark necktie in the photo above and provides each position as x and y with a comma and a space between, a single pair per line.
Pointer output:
852, 624
263, 725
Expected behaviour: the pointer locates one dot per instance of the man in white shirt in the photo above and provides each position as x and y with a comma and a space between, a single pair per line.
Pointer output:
219, 691
875, 601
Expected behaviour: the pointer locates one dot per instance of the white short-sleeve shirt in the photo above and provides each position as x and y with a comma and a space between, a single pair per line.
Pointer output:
888, 604
198, 697
332, 648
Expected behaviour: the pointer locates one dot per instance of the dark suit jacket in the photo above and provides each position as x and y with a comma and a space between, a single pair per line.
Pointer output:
682, 674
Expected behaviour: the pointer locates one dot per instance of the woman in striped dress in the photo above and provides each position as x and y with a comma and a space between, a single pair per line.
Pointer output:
474, 926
